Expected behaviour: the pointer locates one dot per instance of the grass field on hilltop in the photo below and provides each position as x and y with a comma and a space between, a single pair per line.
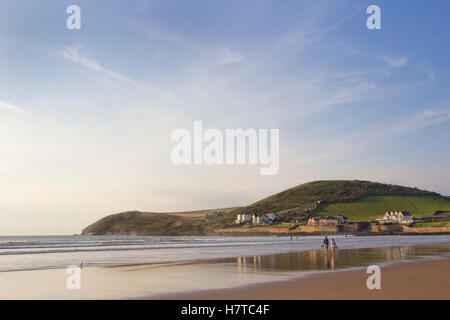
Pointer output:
369, 208
305, 196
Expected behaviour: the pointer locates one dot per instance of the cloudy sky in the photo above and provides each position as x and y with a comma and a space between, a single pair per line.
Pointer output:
86, 115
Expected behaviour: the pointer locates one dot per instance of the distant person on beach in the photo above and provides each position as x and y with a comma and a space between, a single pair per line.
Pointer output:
325, 243
333, 244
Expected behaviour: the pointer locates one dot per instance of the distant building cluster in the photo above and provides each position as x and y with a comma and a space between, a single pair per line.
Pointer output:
256, 218
213, 214
328, 221
389, 218
403, 217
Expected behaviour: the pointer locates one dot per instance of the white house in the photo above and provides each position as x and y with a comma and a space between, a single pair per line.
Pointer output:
261, 218
403, 217
313, 221
243, 217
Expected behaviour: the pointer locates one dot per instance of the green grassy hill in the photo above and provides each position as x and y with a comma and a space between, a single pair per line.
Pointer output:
358, 200
369, 208
304, 196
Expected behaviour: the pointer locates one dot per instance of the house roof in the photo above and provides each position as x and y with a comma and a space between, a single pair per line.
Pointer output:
394, 213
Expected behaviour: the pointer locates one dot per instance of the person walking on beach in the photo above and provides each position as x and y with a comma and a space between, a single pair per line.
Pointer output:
325, 243
333, 244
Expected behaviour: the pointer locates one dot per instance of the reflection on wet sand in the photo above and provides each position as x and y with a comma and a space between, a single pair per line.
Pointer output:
333, 259
159, 279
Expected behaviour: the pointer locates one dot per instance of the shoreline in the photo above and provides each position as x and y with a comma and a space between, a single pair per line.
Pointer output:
401, 280
200, 260
311, 234
87, 264
277, 233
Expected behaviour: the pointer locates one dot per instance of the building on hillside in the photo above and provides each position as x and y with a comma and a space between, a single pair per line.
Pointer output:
343, 219
273, 216
374, 223
328, 221
313, 221
333, 220
243, 217
213, 214
403, 217
356, 226
260, 218
257, 218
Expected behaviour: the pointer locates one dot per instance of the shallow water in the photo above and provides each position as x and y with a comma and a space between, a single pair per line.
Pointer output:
317, 260
44, 252
147, 280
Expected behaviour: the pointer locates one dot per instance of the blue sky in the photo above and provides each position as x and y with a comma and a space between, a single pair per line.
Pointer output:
86, 115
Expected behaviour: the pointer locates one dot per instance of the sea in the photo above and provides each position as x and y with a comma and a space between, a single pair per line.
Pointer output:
19, 253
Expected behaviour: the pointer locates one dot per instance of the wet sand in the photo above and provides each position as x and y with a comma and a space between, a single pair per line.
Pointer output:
313, 274
425, 279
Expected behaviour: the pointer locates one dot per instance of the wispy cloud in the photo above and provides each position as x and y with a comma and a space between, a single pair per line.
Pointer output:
227, 56
392, 128
423, 119
214, 55
429, 71
77, 54
394, 62
8, 106
369, 137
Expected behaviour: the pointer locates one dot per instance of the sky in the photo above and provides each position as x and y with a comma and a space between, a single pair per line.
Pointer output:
86, 115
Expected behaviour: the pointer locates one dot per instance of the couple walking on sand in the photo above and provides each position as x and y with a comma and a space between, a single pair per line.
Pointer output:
327, 243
